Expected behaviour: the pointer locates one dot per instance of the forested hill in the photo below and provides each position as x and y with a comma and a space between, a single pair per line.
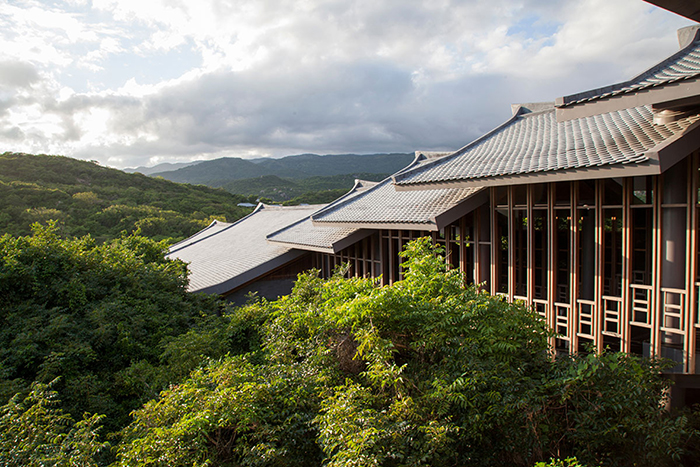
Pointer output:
90, 199
219, 171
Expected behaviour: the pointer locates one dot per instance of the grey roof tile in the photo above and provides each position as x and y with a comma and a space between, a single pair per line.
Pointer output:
226, 255
536, 142
683, 65
305, 234
382, 204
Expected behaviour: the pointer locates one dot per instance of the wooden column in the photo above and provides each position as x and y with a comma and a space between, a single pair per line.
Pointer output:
511, 246
494, 241
551, 266
691, 259
573, 253
654, 336
530, 245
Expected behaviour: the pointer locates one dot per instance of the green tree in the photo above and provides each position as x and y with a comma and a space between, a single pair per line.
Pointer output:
98, 316
423, 372
35, 432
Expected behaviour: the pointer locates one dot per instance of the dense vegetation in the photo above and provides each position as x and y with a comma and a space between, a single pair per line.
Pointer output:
100, 317
89, 199
424, 372
341, 372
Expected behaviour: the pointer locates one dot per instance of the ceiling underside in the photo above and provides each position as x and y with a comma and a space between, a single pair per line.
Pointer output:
688, 8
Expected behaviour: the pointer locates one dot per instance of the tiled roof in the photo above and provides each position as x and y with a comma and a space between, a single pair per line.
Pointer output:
683, 65
536, 142
305, 234
382, 204
224, 256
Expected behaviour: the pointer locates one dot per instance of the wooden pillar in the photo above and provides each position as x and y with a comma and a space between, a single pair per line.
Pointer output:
477, 246
494, 241
530, 245
654, 336
511, 246
551, 266
463, 247
573, 249
690, 271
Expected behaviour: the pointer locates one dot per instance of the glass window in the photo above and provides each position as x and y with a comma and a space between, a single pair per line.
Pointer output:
540, 244
520, 246
520, 195
502, 249
562, 193
675, 184
586, 193
642, 192
539, 194
612, 192
502, 196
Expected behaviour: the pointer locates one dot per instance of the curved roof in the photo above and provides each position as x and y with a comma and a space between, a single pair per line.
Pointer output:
536, 143
327, 239
224, 256
683, 65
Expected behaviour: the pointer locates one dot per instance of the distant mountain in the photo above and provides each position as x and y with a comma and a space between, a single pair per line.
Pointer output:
164, 167
218, 172
282, 189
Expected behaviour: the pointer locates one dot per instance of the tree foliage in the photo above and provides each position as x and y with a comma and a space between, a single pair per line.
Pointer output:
36, 432
98, 316
423, 372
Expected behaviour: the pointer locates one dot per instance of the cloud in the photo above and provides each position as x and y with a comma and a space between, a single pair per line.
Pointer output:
128, 81
17, 74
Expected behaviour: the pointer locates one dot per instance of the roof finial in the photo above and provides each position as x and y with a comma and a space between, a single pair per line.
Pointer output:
687, 35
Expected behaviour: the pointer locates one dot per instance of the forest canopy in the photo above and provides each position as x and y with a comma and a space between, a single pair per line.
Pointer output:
422, 372
341, 372
96, 316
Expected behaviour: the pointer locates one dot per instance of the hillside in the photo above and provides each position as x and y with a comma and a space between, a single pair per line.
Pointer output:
310, 190
89, 199
164, 167
219, 172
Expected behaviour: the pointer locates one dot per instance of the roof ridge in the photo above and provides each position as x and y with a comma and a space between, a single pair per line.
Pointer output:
591, 94
346, 197
398, 176
182, 243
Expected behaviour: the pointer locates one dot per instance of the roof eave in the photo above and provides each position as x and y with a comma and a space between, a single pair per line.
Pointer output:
586, 173
428, 225
251, 275
683, 8
334, 248
649, 96
658, 159
464, 207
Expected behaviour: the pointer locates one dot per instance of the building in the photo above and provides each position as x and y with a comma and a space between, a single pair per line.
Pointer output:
585, 208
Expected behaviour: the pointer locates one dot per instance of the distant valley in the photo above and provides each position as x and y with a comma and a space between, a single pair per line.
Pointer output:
305, 178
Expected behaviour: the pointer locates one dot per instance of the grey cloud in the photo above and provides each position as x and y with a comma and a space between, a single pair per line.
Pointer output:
16, 74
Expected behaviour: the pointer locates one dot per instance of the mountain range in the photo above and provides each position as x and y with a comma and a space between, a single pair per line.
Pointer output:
303, 178
218, 172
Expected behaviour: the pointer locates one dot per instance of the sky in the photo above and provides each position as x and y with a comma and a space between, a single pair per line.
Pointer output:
132, 83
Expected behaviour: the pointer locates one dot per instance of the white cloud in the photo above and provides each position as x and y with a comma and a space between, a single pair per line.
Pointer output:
130, 81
